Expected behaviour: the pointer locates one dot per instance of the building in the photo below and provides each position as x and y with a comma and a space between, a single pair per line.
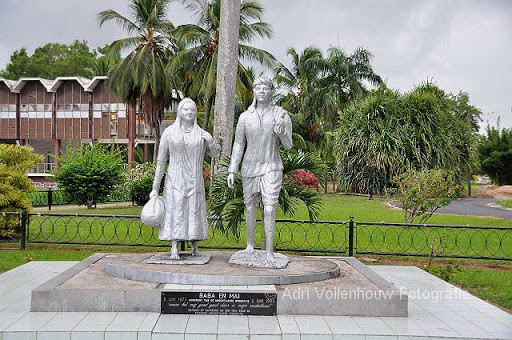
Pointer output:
48, 114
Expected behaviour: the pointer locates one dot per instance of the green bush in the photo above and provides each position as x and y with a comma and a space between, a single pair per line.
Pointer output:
15, 161
140, 189
495, 153
89, 174
387, 133
422, 192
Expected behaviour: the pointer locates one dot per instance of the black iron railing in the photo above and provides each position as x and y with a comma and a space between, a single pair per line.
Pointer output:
321, 237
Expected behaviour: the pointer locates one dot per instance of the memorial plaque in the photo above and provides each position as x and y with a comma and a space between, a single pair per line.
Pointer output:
219, 303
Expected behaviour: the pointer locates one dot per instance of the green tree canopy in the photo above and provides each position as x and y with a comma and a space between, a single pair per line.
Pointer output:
422, 192
495, 151
51, 61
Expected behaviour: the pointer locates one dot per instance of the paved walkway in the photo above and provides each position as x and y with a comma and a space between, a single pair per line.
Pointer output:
437, 310
472, 207
476, 207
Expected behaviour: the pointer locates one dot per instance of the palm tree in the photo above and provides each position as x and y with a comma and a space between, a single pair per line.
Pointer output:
199, 58
105, 63
142, 73
346, 76
301, 82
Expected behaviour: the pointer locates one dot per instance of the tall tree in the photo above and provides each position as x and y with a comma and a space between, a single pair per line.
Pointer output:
471, 115
201, 41
51, 61
300, 81
346, 77
105, 62
142, 73
495, 151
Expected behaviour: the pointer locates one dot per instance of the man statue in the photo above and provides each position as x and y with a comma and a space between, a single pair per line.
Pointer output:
263, 127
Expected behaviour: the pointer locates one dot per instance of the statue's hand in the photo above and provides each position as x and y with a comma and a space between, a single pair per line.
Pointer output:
208, 138
279, 127
231, 180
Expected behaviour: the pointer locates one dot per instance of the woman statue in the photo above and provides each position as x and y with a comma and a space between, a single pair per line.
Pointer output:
182, 146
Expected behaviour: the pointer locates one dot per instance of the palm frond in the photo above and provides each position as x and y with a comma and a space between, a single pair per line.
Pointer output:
125, 23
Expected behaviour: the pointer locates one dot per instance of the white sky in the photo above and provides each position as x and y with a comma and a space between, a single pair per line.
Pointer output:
461, 45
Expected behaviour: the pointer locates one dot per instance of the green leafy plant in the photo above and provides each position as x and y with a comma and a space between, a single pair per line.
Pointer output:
226, 206
140, 189
15, 161
421, 192
88, 174
387, 133
495, 152
129, 176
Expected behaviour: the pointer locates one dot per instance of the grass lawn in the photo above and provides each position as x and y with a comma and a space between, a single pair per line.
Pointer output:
491, 284
336, 208
505, 203
10, 259
491, 280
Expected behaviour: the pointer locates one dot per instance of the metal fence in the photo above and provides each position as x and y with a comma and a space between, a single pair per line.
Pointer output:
322, 237
52, 197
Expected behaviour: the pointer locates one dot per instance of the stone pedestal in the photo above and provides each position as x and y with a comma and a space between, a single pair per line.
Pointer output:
185, 259
308, 285
257, 259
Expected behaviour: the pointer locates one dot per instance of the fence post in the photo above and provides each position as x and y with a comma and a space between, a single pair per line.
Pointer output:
351, 236
23, 229
50, 198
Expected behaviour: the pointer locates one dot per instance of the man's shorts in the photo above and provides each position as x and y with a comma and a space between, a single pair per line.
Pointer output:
266, 187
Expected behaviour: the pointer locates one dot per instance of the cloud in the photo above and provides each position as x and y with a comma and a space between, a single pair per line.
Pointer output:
462, 45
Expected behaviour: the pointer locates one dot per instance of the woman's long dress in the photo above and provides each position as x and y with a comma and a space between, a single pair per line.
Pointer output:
184, 193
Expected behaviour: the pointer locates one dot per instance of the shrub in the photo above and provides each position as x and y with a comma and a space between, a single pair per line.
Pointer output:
89, 174
304, 178
495, 153
140, 189
15, 185
122, 191
422, 192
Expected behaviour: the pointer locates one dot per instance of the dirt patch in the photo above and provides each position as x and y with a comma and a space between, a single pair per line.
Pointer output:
493, 191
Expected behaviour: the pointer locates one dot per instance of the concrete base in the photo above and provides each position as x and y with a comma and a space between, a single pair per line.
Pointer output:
219, 272
86, 287
258, 259
185, 259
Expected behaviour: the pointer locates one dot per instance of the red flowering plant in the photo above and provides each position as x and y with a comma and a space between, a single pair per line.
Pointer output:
303, 178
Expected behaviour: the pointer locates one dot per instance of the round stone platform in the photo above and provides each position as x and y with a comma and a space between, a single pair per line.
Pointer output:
218, 271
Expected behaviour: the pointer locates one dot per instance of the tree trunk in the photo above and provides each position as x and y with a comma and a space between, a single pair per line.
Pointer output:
227, 67
207, 113
157, 141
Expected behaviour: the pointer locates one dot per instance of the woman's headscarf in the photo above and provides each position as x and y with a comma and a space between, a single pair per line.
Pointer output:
180, 107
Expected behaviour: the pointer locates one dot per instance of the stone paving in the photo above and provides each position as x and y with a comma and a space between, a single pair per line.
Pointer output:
437, 310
